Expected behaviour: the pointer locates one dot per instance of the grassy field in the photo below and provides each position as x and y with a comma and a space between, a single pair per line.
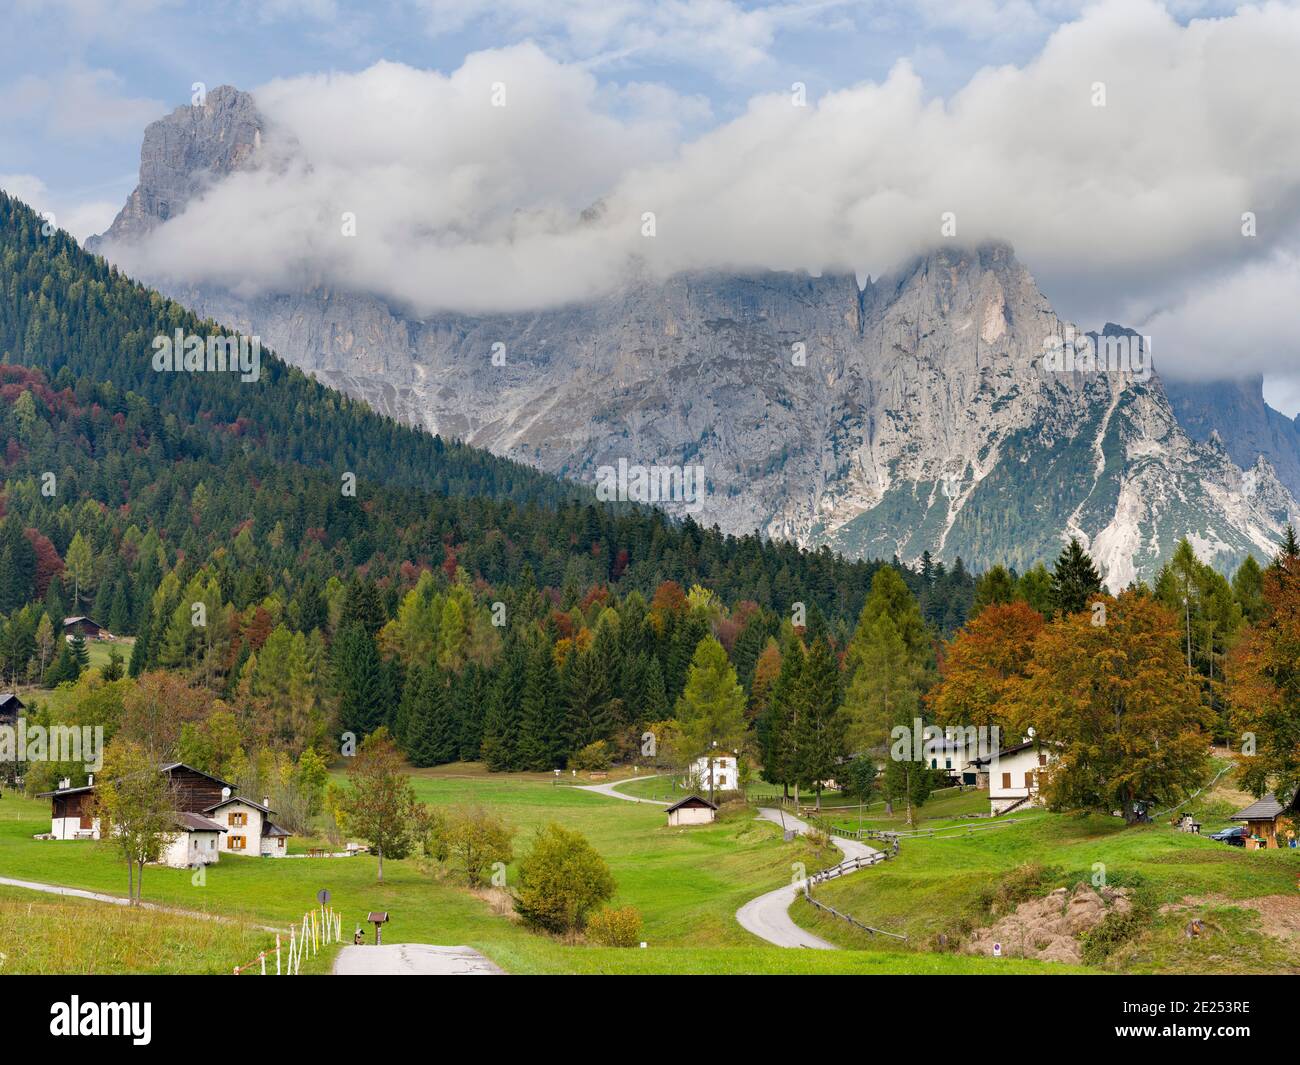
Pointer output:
941, 886
97, 651
686, 882
43, 934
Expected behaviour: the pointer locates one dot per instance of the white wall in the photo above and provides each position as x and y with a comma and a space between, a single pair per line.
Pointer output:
252, 831
691, 815
68, 827
191, 848
726, 775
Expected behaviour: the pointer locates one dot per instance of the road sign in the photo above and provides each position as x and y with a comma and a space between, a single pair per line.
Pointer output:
323, 896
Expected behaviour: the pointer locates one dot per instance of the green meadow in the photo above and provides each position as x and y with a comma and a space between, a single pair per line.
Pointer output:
942, 887
687, 883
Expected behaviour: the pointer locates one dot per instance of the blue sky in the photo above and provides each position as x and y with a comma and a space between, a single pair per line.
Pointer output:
79, 79
678, 101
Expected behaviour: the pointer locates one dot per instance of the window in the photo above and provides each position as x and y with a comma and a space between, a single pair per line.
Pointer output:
1042, 759
1006, 781
238, 843
1029, 780
235, 820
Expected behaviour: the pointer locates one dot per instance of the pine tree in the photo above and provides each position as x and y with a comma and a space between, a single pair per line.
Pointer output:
360, 680
775, 728
821, 726
541, 728
139, 652
501, 720
589, 713
1074, 580
430, 726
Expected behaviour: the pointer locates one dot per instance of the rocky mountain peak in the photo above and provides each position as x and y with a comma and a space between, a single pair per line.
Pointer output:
182, 154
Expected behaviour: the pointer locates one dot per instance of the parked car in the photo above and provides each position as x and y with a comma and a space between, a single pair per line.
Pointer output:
1234, 836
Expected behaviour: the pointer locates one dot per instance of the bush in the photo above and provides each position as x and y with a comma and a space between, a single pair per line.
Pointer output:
1118, 928
593, 756
1020, 885
616, 928
474, 840
561, 880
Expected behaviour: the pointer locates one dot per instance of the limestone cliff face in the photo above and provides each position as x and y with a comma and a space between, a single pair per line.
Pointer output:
1248, 427
913, 412
182, 154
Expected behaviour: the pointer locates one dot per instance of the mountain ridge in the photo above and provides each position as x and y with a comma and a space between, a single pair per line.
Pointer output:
907, 413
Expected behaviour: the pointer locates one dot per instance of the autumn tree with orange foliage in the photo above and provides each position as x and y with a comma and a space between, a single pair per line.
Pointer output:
1116, 704
1264, 681
979, 666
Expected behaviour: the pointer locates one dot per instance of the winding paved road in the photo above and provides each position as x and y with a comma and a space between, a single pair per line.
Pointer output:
608, 789
412, 959
768, 916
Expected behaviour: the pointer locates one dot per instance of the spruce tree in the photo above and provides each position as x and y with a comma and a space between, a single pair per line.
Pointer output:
541, 727
360, 680
1074, 579
821, 726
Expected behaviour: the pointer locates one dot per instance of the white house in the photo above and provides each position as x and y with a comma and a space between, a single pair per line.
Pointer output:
209, 819
194, 844
691, 810
248, 826
725, 774
1014, 775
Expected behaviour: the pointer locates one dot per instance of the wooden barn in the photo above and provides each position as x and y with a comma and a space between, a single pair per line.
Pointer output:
10, 707
691, 810
84, 627
71, 813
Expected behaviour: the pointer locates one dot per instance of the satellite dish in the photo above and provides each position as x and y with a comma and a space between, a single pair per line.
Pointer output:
1032, 733
225, 793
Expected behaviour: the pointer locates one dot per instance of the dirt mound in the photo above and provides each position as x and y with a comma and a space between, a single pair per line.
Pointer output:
1049, 928
1280, 914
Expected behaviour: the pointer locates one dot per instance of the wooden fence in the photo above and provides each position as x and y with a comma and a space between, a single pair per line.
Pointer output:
851, 920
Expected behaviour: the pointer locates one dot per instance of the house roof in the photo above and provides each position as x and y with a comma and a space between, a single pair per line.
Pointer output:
1003, 753
194, 823
7, 697
270, 828
238, 798
691, 800
58, 792
1264, 809
162, 769
181, 765
80, 617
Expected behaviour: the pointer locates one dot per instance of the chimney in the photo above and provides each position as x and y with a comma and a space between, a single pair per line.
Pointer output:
266, 801
90, 780
65, 782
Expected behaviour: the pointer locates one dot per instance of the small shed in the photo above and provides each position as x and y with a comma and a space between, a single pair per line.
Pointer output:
83, 626
692, 810
10, 707
1265, 818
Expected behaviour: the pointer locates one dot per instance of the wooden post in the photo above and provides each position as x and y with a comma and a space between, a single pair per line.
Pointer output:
277, 953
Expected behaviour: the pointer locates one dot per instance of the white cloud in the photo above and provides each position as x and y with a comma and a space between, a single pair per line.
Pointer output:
464, 206
81, 218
